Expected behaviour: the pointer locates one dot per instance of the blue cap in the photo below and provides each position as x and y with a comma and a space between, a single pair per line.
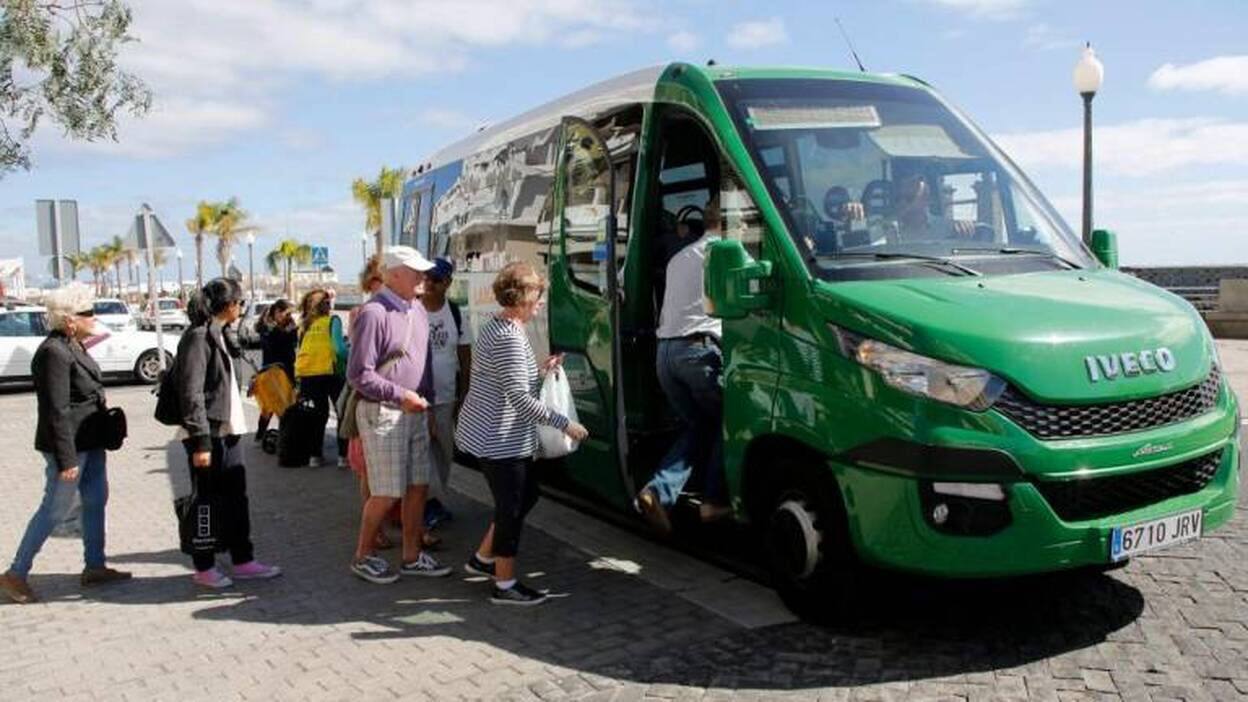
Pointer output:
442, 268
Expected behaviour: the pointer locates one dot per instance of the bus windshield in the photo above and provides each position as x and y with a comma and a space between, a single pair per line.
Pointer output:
887, 178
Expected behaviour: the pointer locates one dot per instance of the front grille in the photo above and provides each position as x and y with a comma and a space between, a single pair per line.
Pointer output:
1070, 421
1091, 498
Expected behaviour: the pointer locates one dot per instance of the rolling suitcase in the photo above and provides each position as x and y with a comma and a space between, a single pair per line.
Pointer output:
293, 447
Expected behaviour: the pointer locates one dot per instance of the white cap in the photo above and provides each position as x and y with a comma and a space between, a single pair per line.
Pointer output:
396, 256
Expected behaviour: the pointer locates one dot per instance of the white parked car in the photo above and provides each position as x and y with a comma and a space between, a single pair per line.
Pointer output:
114, 314
172, 314
125, 353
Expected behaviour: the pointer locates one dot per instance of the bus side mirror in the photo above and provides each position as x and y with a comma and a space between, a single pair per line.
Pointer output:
1105, 247
734, 281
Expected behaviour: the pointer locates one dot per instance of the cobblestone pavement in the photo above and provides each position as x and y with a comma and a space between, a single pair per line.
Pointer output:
1169, 626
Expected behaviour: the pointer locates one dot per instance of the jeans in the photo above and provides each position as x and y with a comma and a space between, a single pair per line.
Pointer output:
58, 495
689, 373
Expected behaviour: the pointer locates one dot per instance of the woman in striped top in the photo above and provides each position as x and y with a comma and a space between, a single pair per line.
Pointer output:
498, 426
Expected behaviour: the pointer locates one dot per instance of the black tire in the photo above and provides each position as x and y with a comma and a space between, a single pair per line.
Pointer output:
147, 368
809, 552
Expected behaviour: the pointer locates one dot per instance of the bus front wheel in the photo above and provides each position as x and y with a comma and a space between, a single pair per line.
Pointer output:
811, 560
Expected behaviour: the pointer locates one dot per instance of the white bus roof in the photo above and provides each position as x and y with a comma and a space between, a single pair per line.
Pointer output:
634, 87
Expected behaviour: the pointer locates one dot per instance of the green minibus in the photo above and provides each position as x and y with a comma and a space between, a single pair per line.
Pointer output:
924, 368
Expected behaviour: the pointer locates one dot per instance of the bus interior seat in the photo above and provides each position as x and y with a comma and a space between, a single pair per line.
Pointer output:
877, 198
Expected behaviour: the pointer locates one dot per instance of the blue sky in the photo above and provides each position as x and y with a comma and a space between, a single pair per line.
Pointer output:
282, 102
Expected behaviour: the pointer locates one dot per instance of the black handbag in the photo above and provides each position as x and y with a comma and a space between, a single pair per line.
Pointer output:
104, 428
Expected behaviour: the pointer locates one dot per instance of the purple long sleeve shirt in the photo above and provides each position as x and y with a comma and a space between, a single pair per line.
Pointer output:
380, 328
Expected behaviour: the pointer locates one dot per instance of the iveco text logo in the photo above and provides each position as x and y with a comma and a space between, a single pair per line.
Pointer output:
1129, 363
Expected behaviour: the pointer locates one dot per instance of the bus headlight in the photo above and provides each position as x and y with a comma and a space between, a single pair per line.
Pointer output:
972, 388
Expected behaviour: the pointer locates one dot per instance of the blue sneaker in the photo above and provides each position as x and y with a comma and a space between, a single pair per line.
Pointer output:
436, 513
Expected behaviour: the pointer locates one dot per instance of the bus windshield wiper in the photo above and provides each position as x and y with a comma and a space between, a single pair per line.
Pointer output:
889, 256
1012, 250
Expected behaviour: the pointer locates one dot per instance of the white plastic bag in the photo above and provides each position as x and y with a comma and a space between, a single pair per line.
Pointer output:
557, 395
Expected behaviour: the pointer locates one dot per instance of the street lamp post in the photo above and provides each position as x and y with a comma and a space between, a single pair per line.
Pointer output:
177, 253
1089, 73
251, 265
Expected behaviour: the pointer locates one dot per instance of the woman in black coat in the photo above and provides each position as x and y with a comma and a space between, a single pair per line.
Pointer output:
279, 338
211, 415
68, 392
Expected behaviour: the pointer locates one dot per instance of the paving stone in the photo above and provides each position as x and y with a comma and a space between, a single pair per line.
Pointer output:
1170, 625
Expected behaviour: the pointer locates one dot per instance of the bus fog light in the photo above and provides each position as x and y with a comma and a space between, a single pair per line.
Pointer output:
940, 513
978, 491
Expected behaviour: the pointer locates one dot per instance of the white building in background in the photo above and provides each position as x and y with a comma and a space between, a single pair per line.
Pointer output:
12, 278
309, 277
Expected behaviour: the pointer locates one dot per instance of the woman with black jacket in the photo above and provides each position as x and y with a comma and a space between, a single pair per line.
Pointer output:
279, 337
68, 392
211, 407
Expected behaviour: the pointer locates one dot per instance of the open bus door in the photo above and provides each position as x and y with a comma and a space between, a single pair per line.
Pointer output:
584, 308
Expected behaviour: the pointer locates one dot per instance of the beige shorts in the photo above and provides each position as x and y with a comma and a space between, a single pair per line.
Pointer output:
396, 448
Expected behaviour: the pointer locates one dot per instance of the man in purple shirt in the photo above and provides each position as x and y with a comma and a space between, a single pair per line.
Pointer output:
391, 369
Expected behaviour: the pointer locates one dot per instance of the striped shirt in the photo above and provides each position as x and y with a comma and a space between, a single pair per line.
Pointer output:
501, 412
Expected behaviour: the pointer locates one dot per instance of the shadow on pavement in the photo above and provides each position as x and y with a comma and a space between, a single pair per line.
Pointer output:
605, 623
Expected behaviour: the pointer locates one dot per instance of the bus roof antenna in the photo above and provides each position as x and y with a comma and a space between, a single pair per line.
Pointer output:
850, 44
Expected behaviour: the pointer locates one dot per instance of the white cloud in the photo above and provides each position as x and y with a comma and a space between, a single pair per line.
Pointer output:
757, 34
1138, 148
683, 41
221, 65
986, 9
1044, 37
172, 127
1225, 74
335, 224
1169, 223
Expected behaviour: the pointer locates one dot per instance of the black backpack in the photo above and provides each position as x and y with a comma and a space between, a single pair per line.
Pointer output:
459, 320
168, 406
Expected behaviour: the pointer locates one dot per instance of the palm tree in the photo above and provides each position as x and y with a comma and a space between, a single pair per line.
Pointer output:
159, 258
283, 258
231, 226
205, 221
389, 184
115, 251
77, 262
99, 260
132, 265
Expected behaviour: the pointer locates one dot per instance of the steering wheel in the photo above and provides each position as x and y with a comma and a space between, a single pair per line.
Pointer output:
877, 198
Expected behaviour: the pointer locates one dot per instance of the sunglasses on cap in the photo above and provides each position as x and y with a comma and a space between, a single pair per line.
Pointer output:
89, 312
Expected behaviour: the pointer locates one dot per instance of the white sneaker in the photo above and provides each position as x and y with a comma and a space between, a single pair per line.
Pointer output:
342, 463
315, 462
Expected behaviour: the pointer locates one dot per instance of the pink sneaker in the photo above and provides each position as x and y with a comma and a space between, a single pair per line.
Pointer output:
212, 578
255, 570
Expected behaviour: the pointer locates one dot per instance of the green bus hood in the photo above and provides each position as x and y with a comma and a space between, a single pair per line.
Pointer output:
1035, 330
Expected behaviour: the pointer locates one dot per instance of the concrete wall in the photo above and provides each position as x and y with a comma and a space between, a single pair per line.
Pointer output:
1219, 292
